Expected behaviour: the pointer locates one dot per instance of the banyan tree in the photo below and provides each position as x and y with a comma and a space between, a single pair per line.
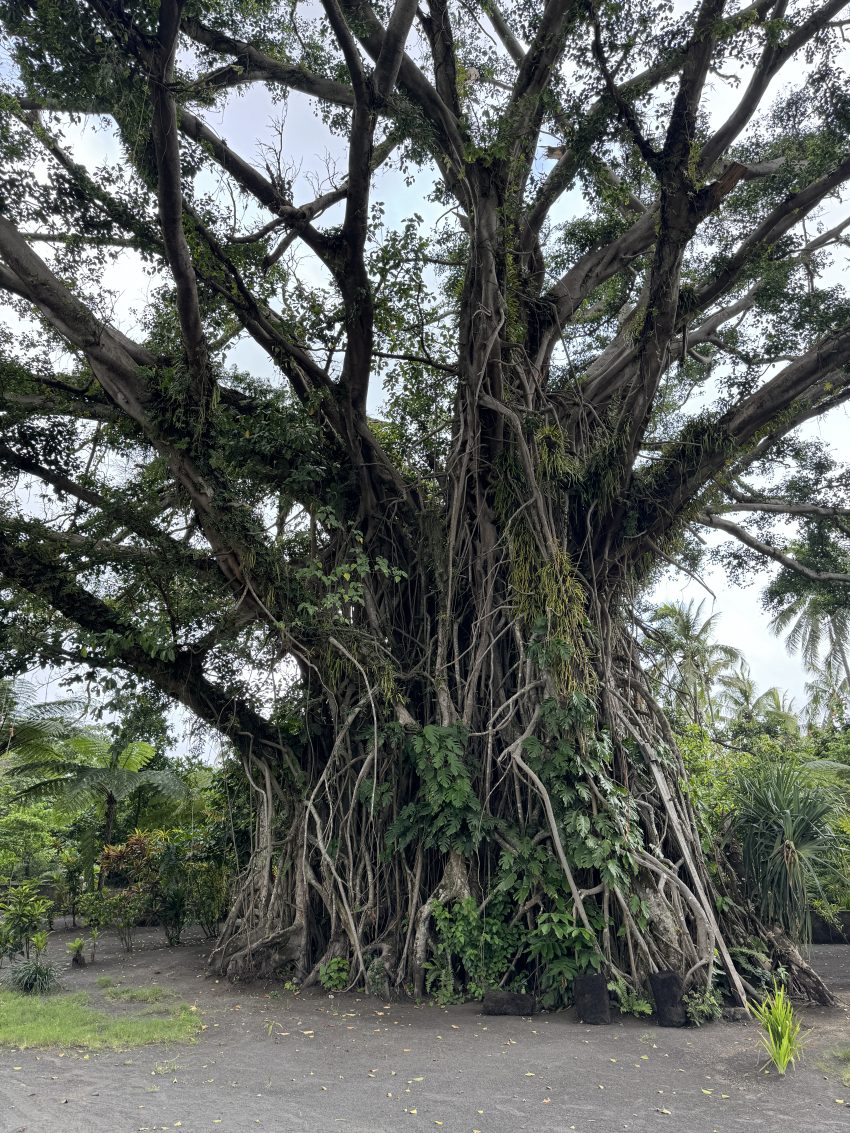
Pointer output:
362, 368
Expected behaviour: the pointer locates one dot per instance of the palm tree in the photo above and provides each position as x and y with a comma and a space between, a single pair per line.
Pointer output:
744, 706
819, 630
828, 699
686, 660
49, 755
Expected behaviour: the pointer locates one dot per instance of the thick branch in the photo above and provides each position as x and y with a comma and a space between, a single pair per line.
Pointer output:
37, 569
709, 519
263, 65
170, 194
817, 381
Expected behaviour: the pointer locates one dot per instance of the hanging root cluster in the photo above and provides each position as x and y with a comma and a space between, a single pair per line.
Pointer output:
512, 814
507, 807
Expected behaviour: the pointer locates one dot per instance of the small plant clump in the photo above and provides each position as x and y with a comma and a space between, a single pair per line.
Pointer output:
629, 1001
334, 975
703, 1006
32, 975
75, 950
781, 1028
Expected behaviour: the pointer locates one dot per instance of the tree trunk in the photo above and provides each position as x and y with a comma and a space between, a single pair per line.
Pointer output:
490, 742
108, 830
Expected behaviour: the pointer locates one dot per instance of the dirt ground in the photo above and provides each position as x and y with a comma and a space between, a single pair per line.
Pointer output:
272, 1060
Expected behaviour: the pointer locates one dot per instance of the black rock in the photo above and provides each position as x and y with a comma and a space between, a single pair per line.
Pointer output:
593, 1004
497, 1002
825, 932
667, 991
736, 1014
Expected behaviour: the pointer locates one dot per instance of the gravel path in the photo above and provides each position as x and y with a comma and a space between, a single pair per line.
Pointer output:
275, 1061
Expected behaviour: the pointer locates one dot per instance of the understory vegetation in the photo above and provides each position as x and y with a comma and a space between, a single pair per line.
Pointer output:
769, 790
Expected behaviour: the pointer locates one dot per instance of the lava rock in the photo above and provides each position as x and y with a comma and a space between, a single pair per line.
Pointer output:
668, 991
736, 1014
593, 1003
498, 1002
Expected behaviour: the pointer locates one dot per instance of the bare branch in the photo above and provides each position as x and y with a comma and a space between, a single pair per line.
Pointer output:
709, 519
251, 60
773, 505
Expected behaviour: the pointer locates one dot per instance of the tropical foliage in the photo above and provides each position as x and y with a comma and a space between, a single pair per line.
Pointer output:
781, 1028
785, 820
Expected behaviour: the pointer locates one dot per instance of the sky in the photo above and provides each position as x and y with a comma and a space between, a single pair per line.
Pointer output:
741, 620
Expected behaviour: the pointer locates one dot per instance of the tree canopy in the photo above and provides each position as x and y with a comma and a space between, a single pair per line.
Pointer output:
590, 255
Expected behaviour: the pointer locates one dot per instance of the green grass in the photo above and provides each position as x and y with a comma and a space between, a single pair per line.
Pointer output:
103, 981
842, 1057
71, 1021
152, 994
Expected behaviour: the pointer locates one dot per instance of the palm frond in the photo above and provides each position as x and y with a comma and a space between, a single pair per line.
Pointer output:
166, 782
136, 756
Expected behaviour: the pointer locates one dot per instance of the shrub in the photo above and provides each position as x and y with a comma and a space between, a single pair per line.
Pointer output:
172, 907
71, 877
128, 907
703, 1006
33, 976
784, 823
334, 976
473, 952
208, 895
781, 1028
23, 911
564, 950
9, 945
132, 864
121, 910
169, 889
95, 908
161, 867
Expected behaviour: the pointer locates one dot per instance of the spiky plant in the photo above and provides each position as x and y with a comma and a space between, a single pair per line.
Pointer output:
780, 1028
32, 977
785, 823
